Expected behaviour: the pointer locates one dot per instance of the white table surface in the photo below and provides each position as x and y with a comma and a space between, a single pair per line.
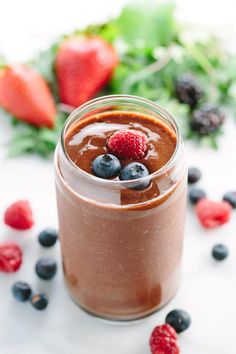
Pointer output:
208, 289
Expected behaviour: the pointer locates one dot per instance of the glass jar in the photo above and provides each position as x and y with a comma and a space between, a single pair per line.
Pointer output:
120, 262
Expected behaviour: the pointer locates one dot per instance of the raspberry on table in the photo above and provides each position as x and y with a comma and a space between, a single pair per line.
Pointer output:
128, 143
164, 340
19, 215
10, 257
212, 214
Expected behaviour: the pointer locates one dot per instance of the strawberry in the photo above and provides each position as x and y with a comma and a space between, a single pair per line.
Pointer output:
25, 94
84, 65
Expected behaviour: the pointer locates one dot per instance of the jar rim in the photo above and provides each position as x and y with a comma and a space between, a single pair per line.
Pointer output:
114, 99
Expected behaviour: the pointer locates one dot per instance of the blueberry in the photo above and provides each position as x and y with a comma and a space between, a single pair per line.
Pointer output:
106, 166
179, 319
46, 268
230, 197
195, 194
21, 291
48, 237
220, 252
39, 301
135, 170
194, 175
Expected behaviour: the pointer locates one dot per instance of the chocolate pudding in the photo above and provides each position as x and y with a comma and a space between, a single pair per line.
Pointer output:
121, 246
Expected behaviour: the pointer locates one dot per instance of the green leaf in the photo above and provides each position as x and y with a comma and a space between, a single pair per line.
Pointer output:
28, 139
148, 22
108, 31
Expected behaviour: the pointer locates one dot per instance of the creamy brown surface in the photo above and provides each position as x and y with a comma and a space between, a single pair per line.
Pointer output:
88, 139
121, 264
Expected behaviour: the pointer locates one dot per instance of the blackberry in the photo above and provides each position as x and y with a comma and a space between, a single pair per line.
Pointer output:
188, 90
207, 119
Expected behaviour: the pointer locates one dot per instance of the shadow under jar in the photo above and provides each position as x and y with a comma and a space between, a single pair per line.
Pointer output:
121, 247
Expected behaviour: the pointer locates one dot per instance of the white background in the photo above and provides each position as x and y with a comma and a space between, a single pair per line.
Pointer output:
208, 289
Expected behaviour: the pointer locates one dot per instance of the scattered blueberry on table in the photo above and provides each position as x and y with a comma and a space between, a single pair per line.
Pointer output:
220, 252
39, 301
230, 197
194, 175
106, 166
196, 194
48, 237
21, 291
179, 320
46, 268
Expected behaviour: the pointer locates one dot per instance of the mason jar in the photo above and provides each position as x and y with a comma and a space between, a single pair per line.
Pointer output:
121, 261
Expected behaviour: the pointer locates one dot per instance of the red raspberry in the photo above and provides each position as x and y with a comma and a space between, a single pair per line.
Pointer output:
10, 257
130, 144
164, 340
213, 214
19, 215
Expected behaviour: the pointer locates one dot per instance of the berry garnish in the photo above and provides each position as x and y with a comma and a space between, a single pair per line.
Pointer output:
46, 268
207, 119
164, 340
19, 215
179, 320
21, 291
39, 301
220, 252
10, 257
212, 214
106, 166
130, 144
188, 90
196, 194
230, 197
194, 175
48, 237
135, 170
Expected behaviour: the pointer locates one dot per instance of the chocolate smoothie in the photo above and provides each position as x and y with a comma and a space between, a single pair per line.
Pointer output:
121, 246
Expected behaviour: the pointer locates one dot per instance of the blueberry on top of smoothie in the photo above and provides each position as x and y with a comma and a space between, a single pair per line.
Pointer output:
106, 166
135, 170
